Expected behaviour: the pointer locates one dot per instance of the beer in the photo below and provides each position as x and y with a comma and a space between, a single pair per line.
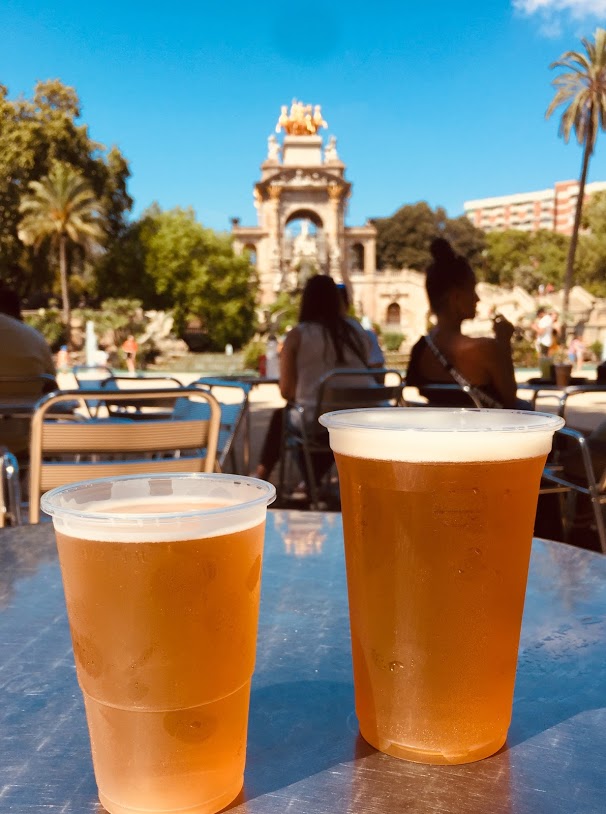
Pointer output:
163, 626
438, 514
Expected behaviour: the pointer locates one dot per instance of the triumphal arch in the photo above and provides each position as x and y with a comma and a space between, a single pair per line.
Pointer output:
303, 180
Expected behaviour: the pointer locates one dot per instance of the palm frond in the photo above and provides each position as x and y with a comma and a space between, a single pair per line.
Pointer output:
581, 90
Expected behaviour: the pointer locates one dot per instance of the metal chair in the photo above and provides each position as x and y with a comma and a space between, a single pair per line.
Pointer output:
26, 387
560, 472
447, 394
140, 409
340, 389
234, 416
573, 391
64, 451
10, 490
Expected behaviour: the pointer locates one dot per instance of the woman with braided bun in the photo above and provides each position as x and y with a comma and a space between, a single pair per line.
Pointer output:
446, 355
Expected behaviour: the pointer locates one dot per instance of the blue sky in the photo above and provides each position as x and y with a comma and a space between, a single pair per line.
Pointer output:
438, 100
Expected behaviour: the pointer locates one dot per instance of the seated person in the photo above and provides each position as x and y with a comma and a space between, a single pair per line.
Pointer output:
25, 352
446, 355
323, 339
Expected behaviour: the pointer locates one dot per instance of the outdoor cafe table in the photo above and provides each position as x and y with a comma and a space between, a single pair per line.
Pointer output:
304, 752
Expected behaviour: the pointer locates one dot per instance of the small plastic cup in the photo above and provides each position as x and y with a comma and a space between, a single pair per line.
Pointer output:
162, 578
438, 512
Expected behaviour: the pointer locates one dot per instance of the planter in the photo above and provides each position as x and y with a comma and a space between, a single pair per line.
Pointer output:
563, 373
545, 367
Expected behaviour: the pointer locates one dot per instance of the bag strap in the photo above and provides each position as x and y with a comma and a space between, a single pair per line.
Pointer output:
476, 394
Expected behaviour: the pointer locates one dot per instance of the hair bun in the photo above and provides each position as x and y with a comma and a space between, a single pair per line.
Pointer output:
441, 250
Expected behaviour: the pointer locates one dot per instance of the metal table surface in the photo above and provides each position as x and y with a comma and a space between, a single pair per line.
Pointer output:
304, 753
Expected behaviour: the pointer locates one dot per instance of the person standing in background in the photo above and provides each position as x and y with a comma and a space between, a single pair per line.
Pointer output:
130, 347
543, 330
576, 353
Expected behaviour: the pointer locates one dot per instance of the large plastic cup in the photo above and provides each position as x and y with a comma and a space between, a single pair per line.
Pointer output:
438, 511
162, 577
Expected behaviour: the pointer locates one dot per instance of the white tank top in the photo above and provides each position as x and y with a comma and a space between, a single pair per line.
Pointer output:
316, 356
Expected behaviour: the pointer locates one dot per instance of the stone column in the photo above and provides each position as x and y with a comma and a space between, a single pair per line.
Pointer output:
273, 225
333, 232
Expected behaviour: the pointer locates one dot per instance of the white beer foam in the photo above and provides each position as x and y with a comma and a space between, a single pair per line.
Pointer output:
432, 435
125, 511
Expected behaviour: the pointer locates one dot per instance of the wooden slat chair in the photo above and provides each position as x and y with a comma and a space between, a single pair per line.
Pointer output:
304, 438
64, 452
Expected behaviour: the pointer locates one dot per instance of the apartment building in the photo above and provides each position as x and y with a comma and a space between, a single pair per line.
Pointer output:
551, 209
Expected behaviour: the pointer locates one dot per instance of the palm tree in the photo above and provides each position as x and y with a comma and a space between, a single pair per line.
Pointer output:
582, 88
61, 207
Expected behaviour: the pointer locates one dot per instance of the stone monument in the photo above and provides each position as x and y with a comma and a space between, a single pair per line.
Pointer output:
304, 179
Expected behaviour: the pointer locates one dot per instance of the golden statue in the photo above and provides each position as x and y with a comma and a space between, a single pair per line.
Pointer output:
300, 121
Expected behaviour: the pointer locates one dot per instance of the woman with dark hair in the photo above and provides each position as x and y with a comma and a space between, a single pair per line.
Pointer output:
322, 340
481, 365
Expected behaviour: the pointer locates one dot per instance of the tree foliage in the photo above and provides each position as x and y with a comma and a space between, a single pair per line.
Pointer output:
34, 134
170, 261
527, 259
590, 264
403, 239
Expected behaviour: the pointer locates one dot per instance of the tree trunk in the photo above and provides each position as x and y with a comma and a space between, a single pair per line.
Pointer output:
67, 314
574, 238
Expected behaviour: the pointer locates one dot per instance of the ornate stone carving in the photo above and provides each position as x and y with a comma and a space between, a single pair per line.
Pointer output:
274, 192
300, 121
273, 149
334, 192
330, 152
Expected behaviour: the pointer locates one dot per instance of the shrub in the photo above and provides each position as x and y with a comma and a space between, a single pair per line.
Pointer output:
392, 340
596, 348
48, 322
524, 352
121, 316
253, 351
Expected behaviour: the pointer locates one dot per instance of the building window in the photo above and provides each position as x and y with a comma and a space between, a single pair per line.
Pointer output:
393, 314
252, 253
356, 257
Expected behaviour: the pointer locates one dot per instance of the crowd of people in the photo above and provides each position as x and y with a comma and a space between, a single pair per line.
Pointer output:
549, 342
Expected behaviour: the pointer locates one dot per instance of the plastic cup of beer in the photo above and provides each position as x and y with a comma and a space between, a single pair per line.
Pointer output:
438, 512
162, 577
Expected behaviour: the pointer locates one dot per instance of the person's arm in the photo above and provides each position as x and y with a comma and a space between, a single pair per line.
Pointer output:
500, 362
288, 365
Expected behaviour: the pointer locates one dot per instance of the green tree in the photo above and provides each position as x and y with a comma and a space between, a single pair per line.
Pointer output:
514, 257
170, 261
591, 254
34, 134
61, 208
403, 239
582, 89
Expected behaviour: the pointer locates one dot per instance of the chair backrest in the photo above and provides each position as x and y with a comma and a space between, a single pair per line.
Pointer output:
577, 467
573, 391
344, 389
90, 376
447, 394
134, 407
233, 397
17, 387
65, 451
